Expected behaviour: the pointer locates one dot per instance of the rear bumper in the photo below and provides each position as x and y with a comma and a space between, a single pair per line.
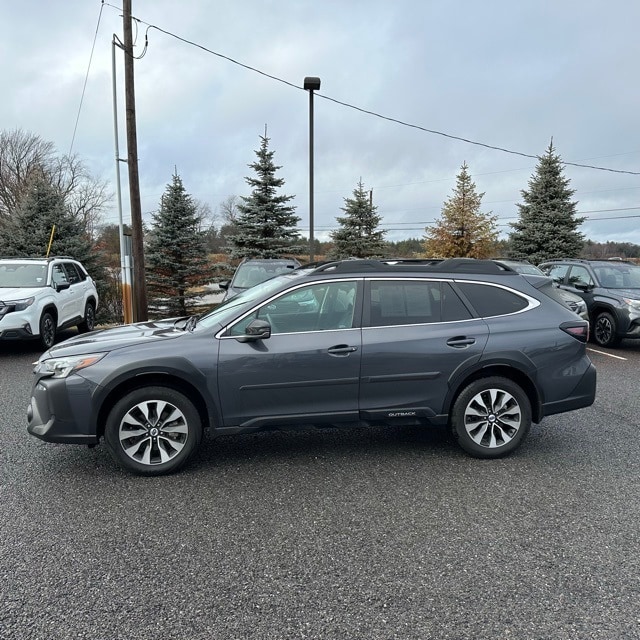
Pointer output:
582, 396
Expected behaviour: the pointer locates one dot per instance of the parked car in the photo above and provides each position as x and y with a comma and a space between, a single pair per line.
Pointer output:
40, 296
611, 291
466, 343
253, 271
571, 300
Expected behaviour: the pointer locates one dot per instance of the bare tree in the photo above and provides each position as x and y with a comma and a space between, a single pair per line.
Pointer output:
229, 210
84, 195
24, 155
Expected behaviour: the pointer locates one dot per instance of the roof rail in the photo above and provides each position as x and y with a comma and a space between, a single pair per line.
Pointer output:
46, 258
471, 265
460, 265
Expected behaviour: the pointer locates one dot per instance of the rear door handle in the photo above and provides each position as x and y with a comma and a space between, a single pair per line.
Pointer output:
460, 342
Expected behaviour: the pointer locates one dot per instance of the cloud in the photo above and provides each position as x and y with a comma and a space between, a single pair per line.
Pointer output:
506, 74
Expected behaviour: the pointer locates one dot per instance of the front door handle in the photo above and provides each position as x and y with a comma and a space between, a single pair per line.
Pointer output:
341, 350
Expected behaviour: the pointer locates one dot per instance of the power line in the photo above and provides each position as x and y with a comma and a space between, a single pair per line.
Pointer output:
367, 111
86, 78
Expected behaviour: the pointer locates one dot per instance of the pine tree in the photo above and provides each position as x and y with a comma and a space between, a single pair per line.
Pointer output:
358, 235
463, 231
266, 224
176, 257
547, 225
27, 233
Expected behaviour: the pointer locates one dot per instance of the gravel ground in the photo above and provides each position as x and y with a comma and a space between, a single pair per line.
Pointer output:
362, 533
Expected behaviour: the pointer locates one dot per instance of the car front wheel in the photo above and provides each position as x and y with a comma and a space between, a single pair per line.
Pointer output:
47, 330
604, 330
153, 431
491, 417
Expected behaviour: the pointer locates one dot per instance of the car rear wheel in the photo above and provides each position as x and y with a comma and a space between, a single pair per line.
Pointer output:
491, 417
153, 431
89, 322
604, 330
47, 330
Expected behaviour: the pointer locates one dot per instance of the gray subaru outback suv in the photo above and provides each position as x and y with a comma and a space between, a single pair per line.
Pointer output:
464, 343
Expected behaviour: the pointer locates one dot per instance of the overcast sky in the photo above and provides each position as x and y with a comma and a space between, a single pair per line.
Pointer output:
502, 73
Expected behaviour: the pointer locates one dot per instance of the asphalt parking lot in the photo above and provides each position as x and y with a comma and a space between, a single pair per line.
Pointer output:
378, 533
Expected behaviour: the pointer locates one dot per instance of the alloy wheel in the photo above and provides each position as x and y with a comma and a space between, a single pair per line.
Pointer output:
603, 330
492, 418
153, 432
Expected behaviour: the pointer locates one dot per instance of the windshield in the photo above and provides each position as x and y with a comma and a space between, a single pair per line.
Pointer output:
619, 276
528, 268
19, 274
232, 307
249, 274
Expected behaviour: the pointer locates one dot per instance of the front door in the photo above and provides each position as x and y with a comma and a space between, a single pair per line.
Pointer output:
306, 372
65, 299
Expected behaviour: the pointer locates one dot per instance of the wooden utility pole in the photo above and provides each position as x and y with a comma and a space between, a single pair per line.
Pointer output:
140, 310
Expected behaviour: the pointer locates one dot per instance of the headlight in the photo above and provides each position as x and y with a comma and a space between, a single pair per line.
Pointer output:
20, 305
62, 367
633, 303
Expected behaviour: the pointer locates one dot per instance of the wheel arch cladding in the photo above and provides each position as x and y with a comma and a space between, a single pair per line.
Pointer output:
151, 380
510, 373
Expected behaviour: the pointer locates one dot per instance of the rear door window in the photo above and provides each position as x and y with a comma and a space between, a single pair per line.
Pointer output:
403, 302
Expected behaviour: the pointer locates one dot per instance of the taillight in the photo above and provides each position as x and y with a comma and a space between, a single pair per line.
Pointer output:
579, 330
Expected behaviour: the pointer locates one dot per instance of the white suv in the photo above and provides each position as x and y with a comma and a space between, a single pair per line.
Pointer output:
39, 296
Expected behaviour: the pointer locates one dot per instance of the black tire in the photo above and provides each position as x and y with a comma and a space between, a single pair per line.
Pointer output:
47, 329
491, 417
150, 443
89, 322
604, 330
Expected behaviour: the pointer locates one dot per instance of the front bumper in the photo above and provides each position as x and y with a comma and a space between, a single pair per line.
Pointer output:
17, 325
16, 333
61, 410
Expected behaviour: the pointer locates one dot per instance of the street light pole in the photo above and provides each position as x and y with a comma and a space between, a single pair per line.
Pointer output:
311, 84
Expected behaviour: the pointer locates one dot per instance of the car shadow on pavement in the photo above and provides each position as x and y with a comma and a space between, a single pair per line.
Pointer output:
23, 347
357, 443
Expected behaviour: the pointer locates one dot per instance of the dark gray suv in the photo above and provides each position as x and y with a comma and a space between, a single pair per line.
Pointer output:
611, 291
464, 343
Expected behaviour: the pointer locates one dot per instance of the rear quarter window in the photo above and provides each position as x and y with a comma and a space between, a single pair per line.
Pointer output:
489, 300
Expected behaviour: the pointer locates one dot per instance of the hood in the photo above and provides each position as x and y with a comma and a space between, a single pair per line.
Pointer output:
119, 337
8, 294
626, 293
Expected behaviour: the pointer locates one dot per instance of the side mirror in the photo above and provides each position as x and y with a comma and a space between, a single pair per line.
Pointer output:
256, 330
224, 284
583, 286
61, 286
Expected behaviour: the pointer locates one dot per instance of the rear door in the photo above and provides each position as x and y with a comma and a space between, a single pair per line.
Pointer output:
416, 335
